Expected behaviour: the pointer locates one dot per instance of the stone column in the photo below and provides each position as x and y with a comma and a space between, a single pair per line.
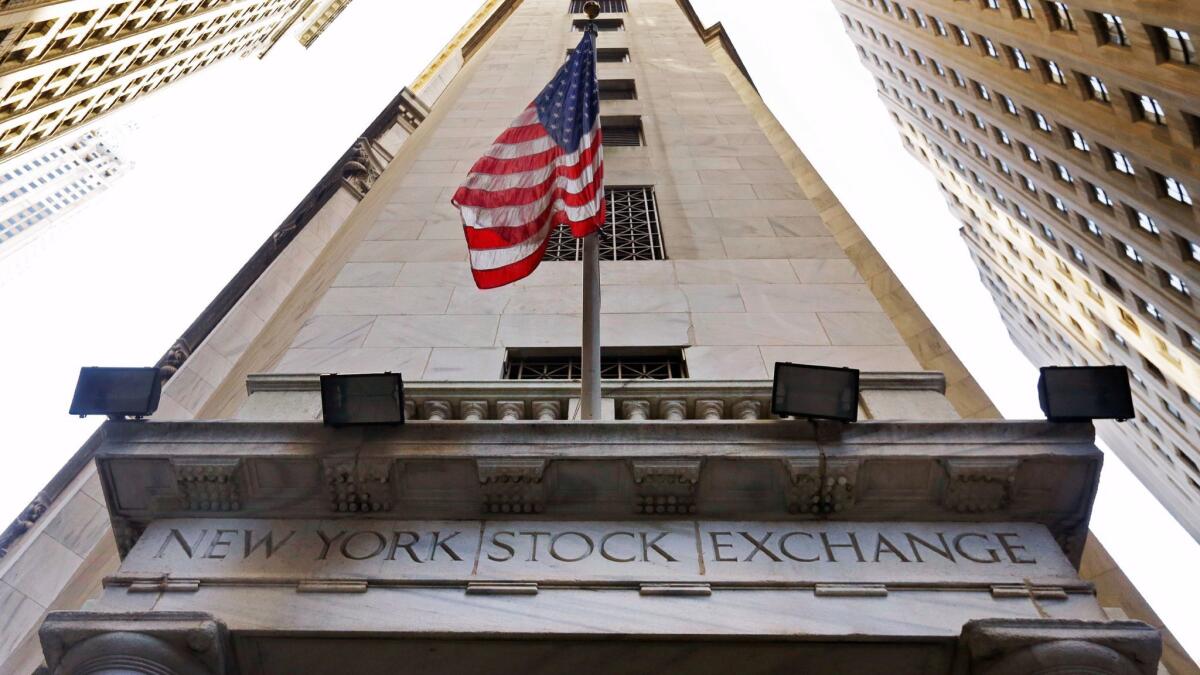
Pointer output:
149, 643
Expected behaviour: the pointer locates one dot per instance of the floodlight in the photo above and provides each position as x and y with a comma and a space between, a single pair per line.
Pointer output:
1069, 394
815, 392
375, 398
116, 392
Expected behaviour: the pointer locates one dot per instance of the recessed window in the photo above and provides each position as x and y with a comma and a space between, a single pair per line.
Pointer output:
1060, 16
1055, 73
1010, 106
1173, 189
1091, 227
1077, 254
989, 48
1130, 253
615, 364
1079, 142
1149, 109
1031, 154
1100, 196
1063, 174
612, 55
964, 38
1018, 58
606, 6
1177, 45
602, 25
618, 90
1120, 162
631, 229
1098, 90
1145, 223
1150, 310
982, 90
1023, 9
1190, 250
1113, 29
621, 131
1174, 281
1042, 123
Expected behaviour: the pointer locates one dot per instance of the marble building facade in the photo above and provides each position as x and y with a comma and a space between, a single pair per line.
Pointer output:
689, 530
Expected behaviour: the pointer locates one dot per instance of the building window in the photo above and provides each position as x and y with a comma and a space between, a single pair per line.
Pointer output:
990, 48
1031, 154
1098, 90
612, 55
1145, 222
982, 90
1077, 253
1018, 58
615, 364
1060, 16
1177, 283
606, 6
1055, 74
621, 131
1092, 228
1120, 162
1171, 410
631, 230
1150, 109
1177, 46
1063, 174
1023, 9
1190, 249
602, 25
1042, 123
618, 90
1150, 310
1079, 142
1047, 233
1100, 195
1130, 253
1113, 29
963, 37
1173, 189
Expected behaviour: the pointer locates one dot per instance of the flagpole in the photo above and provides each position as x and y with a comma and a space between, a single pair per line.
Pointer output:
589, 395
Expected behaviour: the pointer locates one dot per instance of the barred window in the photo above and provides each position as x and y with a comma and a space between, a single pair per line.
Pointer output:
621, 131
618, 90
615, 364
602, 25
606, 6
631, 230
630, 233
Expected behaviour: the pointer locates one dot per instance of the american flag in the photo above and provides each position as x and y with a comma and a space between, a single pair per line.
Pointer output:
545, 170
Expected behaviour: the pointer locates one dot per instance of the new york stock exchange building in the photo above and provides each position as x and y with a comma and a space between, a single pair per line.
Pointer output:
690, 530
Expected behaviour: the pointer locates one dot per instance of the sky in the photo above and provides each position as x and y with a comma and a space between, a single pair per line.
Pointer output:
222, 156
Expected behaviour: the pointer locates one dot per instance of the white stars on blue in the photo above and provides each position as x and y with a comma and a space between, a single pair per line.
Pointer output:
569, 105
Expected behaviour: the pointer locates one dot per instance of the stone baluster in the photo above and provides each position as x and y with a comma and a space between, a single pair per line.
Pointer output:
673, 410
473, 411
747, 410
436, 411
410, 409
635, 411
510, 411
710, 409
546, 411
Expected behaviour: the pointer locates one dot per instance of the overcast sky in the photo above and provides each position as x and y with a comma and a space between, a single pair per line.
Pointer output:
225, 154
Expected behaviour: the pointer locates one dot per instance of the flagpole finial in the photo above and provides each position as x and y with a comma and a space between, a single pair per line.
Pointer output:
592, 9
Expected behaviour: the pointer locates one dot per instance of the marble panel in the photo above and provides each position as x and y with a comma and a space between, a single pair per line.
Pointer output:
333, 332
772, 328
18, 616
43, 569
79, 524
368, 274
779, 176
409, 361
734, 272
826, 271
436, 274
796, 226
386, 300
416, 250
545, 300
433, 331
782, 247
713, 298
725, 363
633, 272
449, 364
539, 330
907, 405
859, 328
395, 230
442, 229
616, 330
881, 359
471, 300
641, 299
809, 298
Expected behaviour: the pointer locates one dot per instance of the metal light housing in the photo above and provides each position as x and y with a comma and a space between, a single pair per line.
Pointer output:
352, 400
116, 392
815, 392
1073, 394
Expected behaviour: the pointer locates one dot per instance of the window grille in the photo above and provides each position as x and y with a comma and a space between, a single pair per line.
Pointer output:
631, 229
606, 6
621, 131
618, 90
561, 364
602, 25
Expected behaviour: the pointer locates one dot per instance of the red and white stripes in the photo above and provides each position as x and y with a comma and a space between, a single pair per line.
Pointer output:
523, 187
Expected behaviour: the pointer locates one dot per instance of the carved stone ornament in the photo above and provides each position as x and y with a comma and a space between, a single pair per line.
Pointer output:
175, 643
547, 411
473, 411
437, 411
361, 169
666, 487
512, 485
209, 484
174, 359
747, 410
822, 486
27, 518
1052, 647
635, 411
510, 411
673, 410
978, 485
710, 409
358, 485
126, 533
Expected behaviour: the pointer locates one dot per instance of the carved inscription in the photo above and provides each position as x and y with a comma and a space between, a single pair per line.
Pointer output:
605, 552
